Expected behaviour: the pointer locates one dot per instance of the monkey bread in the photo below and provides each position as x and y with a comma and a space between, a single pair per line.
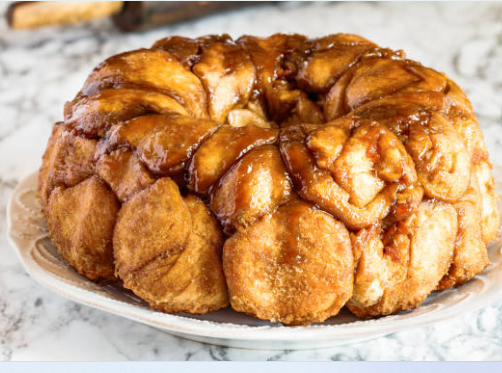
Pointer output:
284, 176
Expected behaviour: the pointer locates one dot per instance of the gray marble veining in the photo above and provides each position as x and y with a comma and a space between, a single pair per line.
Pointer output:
40, 70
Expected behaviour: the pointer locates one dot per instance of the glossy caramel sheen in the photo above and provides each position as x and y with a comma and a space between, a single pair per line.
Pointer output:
284, 175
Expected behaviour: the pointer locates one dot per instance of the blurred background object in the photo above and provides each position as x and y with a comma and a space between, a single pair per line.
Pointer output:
127, 15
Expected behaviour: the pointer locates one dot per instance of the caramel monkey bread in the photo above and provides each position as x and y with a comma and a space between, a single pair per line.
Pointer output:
284, 176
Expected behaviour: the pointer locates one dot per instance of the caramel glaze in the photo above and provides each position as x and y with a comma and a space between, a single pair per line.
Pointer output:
358, 131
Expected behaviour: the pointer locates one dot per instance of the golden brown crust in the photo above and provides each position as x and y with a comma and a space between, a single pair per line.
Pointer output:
397, 270
167, 250
383, 147
217, 154
294, 266
67, 161
94, 115
145, 69
329, 59
254, 186
228, 75
165, 150
470, 256
318, 186
154, 222
124, 173
45, 183
81, 221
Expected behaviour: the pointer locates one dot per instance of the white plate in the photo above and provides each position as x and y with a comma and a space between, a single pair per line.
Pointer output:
28, 234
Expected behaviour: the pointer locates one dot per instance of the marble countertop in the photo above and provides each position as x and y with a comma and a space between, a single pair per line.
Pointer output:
40, 70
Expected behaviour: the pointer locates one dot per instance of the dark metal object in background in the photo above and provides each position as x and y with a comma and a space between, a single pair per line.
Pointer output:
127, 15
141, 15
